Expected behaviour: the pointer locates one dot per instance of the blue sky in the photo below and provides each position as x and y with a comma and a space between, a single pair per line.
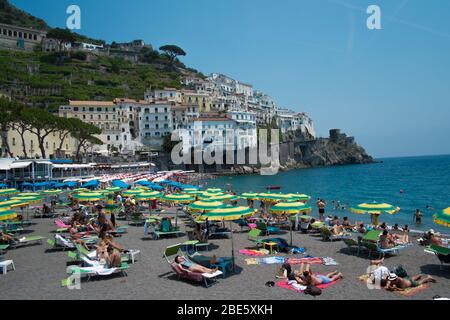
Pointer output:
389, 88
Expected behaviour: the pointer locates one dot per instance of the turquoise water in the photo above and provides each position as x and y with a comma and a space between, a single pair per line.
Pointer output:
425, 181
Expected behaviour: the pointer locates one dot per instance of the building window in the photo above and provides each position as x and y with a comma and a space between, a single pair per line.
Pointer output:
117, 138
99, 117
92, 117
147, 110
156, 118
75, 108
157, 126
156, 110
91, 109
165, 109
13, 141
108, 138
34, 37
106, 117
84, 116
99, 109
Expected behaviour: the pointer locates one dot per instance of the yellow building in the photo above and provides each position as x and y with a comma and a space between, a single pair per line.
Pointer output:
190, 97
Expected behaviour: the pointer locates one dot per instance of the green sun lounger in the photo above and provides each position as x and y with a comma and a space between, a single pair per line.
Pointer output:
327, 235
254, 236
27, 241
88, 272
372, 236
442, 253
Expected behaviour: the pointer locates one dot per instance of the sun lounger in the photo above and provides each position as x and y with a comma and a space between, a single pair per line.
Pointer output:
253, 235
442, 253
205, 278
59, 242
92, 271
166, 229
27, 241
327, 235
266, 228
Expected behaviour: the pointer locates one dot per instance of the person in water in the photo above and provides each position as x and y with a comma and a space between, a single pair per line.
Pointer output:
418, 216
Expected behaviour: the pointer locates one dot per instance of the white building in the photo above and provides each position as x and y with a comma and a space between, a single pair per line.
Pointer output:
155, 122
167, 94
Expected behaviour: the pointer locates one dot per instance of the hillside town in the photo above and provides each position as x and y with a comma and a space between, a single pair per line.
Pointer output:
209, 105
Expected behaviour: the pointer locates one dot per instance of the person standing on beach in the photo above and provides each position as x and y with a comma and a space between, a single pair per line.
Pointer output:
321, 205
418, 216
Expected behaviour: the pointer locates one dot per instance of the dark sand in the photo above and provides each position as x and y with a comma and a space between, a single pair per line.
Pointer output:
39, 272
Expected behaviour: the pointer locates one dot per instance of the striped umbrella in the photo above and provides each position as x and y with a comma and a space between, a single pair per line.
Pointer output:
6, 192
51, 192
26, 199
78, 190
13, 204
208, 195
28, 194
275, 197
442, 218
205, 205
193, 192
132, 192
250, 196
7, 215
177, 198
89, 196
148, 195
225, 197
375, 209
299, 197
289, 208
113, 189
228, 214
214, 190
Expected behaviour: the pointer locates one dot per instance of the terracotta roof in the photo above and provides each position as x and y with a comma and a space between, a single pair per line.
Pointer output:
91, 103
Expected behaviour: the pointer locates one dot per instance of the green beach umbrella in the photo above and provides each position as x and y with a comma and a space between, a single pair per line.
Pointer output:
208, 195
299, 197
133, 192
148, 195
89, 196
27, 199
78, 190
6, 192
205, 205
13, 204
193, 192
289, 208
375, 209
113, 189
177, 198
214, 190
225, 197
275, 197
442, 218
28, 194
228, 214
7, 215
250, 196
51, 192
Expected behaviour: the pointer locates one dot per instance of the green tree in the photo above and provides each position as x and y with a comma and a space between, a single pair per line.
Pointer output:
172, 52
9, 111
168, 144
84, 133
41, 123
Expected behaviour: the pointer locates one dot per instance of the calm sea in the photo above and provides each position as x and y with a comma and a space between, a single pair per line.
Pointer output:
424, 180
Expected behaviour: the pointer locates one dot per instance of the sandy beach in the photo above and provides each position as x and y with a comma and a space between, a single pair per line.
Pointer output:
39, 272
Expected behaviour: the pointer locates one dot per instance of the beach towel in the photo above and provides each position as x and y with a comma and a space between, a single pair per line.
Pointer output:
294, 286
406, 293
254, 253
292, 261
295, 261
269, 260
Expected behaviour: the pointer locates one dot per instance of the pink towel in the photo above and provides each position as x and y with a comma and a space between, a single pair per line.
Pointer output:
251, 253
252, 225
294, 261
284, 284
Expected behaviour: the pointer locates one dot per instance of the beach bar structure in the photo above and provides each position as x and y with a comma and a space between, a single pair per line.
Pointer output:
14, 172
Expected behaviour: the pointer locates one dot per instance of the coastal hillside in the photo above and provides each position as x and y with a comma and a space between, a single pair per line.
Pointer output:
9, 14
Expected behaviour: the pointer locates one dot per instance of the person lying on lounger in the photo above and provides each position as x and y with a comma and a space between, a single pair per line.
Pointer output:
5, 238
396, 283
338, 230
192, 267
346, 224
388, 240
313, 279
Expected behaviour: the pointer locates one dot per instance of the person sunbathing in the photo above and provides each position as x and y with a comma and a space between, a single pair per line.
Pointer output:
361, 228
338, 230
313, 279
346, 224
386, 240
396, 283
109, 256
5, 237
192, 267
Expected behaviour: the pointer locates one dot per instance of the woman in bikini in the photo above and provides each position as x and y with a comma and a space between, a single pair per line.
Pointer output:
316, 279
192, 267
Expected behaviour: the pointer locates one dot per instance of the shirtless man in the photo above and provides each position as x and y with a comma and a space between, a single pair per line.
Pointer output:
396, 283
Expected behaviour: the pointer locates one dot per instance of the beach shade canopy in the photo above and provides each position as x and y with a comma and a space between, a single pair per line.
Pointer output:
299, 197
5, 192
188, 187
89, 196
148, 195
250, 196
132, 192
7, 215
375, 209
289, 208
225, 197
177, 198
193, 192
28, 194
208, 195
442, 218
51, 192
228, 214
154, 186
91, 184
205, 205
120, 184
77, 190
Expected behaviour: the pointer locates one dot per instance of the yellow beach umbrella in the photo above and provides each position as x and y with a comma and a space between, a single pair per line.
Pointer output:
375, 209
7, 215
89, 196
442, 218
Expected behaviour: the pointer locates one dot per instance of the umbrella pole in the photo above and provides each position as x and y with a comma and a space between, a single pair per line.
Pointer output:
291, 231
232, 249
